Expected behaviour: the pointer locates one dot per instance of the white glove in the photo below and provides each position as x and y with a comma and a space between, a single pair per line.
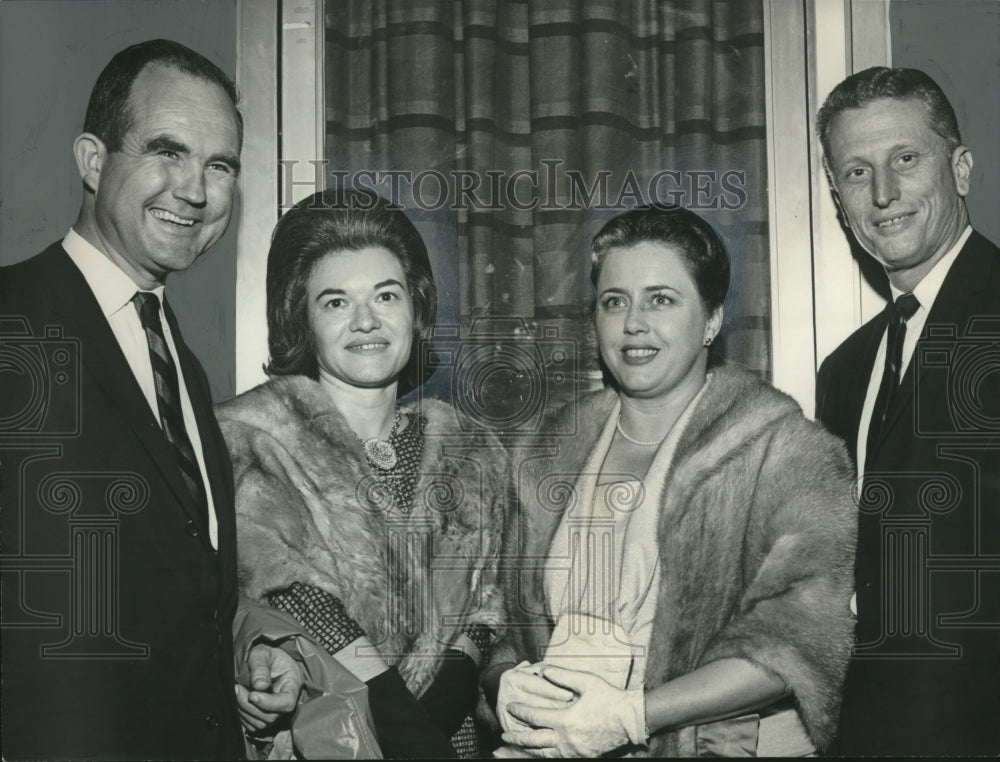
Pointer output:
585, 643
601, 719
523, 685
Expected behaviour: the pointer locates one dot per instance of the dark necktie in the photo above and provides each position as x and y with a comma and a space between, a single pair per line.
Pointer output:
902, 310
168, 397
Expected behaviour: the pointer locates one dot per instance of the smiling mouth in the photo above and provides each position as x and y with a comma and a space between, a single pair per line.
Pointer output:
164, 216
639, 355
372, 346
893, 222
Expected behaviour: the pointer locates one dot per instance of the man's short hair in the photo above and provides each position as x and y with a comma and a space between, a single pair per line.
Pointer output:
109, 114
881, 82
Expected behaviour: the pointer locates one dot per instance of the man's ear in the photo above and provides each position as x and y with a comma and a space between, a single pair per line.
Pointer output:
836, 195
961, 167
90, 153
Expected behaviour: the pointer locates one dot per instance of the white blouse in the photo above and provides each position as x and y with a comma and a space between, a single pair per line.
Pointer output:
603, 571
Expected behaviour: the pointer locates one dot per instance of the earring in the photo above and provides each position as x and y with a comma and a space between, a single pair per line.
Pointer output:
708, 341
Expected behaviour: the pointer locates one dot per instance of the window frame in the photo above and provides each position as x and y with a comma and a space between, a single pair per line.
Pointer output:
818, 295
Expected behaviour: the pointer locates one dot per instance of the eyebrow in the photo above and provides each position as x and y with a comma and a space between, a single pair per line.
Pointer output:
166, 143
646, 289
227, 158
329, 292
896, 148
376, 287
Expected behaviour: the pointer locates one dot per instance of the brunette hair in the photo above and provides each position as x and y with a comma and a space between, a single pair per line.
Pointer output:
341, 220
682, 230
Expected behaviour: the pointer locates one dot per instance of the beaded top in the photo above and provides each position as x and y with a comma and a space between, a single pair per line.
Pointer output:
401, 478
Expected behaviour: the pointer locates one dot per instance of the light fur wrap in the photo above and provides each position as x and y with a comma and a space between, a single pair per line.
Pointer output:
308, 509
756, 547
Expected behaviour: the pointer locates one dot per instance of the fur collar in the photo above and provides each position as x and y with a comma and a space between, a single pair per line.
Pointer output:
309, 509
756, 538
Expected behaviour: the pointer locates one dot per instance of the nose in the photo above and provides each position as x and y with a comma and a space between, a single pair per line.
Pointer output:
364, 319
885, 187
189, 184
635, 321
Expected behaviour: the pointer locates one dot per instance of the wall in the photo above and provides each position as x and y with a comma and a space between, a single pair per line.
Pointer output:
50, 55
957, 42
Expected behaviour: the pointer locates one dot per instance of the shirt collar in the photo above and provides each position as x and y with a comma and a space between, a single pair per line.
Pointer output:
109, 283
927, 289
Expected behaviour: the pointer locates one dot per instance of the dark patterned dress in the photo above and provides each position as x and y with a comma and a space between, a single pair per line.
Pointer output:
322, 615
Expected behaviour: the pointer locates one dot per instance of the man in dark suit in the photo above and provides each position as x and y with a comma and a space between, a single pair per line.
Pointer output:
118, 529
915, 393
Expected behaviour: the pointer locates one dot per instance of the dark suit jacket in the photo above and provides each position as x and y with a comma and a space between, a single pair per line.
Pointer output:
925, 674
117, 612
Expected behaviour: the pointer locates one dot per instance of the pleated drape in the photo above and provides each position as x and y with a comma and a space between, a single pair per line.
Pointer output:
524, 126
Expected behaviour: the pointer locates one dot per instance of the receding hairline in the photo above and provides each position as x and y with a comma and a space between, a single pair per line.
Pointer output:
826, 141
167, 66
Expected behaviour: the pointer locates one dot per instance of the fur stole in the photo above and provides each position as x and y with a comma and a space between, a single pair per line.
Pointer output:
309, 509
756, 546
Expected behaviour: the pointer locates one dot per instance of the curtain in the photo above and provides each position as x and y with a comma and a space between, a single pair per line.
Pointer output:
512, 130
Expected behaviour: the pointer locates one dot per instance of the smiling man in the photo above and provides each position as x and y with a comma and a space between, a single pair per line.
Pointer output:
916, 394
118, 529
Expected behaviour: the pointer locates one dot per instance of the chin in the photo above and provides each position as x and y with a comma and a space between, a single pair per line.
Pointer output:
376, 380
640, 388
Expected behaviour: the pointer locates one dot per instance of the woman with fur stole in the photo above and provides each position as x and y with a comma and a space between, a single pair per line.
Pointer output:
679, 573
375, 525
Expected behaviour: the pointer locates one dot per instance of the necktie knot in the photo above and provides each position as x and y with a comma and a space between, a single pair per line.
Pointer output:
906, 306
147, 304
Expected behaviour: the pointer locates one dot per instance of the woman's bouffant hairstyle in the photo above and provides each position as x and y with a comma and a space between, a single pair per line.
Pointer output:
332, 221
703, 251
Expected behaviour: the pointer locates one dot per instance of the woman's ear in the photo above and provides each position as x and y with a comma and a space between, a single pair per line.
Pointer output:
90, 152
713, 325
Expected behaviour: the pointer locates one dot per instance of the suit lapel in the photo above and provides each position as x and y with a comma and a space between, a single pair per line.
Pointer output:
104, 361
947, 320
853, 396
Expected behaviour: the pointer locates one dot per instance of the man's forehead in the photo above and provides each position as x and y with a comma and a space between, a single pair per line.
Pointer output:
903, 112
158, 82
163, 89
883, 121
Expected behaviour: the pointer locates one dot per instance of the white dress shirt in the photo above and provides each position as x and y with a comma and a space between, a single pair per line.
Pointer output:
926, 292
114, 291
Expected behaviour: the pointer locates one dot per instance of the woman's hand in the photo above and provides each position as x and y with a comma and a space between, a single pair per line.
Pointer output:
523, 684
601, 718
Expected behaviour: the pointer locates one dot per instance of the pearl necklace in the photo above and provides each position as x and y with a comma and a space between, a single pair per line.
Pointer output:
380, 452
639, 442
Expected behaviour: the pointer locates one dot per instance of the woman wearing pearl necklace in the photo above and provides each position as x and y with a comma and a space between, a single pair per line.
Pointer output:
680, 571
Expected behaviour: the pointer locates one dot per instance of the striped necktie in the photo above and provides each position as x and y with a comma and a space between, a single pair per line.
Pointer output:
168, 397
902, 310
